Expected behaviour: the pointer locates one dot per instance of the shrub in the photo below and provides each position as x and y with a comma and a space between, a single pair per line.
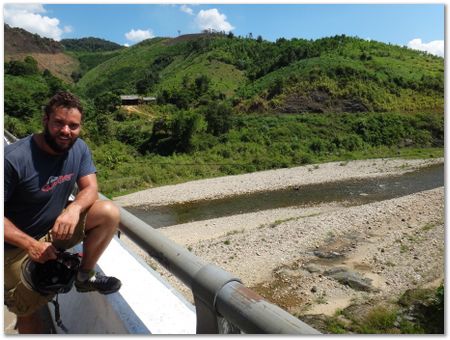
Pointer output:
22, 68
218, 117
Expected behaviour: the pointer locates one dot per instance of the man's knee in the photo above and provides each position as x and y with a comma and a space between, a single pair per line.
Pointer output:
111, 211
103, 212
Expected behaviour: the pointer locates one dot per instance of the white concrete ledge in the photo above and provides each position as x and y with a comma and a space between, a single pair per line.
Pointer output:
145, 304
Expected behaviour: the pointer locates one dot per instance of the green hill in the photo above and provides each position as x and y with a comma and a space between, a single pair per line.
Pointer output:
229, 105
336, 74
89, 44
90, 52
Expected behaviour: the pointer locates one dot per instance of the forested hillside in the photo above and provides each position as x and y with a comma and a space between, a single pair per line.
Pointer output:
229, 105
18, 40
49, 54
89, 44
337, 74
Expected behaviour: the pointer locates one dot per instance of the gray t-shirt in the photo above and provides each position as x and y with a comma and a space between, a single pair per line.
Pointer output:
38, 185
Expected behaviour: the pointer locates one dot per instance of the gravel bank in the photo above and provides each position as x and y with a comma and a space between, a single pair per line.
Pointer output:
395, 244
271, 180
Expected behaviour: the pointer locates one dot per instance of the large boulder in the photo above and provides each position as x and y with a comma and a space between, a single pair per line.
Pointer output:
351, 279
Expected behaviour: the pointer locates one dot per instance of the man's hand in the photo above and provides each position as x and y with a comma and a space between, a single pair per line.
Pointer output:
65, 224
37, 251
42, 252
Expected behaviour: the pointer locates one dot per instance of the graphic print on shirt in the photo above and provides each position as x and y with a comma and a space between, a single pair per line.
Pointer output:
53, 181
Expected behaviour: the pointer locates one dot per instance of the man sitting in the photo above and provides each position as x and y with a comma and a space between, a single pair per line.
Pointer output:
40, 173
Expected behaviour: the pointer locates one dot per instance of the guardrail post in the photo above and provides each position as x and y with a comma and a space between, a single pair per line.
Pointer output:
206, 285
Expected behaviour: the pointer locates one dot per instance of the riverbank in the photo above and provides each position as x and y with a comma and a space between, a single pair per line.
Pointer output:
286, 254
220, 187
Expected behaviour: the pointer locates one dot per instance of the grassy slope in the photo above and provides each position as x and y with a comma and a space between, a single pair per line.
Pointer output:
89, 60
372, 80
123, 70
225, 78
388, 79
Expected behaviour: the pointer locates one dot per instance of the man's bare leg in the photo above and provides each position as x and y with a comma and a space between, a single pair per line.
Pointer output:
101, 223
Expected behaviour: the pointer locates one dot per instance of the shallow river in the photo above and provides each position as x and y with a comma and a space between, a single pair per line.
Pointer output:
352, 192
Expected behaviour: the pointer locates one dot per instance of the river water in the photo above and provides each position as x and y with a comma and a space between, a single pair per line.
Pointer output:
353, 192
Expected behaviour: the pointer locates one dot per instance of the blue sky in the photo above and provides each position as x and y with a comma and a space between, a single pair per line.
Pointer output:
419, 26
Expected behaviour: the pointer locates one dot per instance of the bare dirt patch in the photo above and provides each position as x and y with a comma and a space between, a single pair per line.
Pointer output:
59, 64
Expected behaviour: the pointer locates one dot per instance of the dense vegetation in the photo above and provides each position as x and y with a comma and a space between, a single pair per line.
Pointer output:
229, 105
27, 90
417, 311
181, 148
90, 52
89, 44
89, 60
336, 74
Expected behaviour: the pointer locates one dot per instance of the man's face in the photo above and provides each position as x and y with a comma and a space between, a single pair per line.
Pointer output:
62, 128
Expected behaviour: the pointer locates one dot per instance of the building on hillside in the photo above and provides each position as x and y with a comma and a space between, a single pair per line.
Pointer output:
130, 99
134, 99
148, 100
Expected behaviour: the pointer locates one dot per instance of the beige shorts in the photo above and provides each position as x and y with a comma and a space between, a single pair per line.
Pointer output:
18, 298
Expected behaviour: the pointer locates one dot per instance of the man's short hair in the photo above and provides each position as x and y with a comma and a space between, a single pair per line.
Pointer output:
64, 99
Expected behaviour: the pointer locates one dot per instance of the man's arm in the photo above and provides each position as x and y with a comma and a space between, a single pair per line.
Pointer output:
37, 251
66, 222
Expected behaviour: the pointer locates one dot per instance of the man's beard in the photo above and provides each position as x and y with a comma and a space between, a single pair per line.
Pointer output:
51, 142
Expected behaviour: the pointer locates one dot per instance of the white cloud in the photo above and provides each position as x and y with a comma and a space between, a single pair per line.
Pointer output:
139, 35
30, 18
435, 47
35, 8
212, 19
186, 9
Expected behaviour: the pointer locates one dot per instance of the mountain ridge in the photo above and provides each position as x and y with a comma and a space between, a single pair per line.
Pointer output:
333, 74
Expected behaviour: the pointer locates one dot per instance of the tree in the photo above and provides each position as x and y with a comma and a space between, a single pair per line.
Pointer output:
107, 102
20, 104
22, 68
174, 133
201, 84
184, 126
275, 88
76, 76
218, 117
54, 84
146, 83
105, 129
181, 97
32, 64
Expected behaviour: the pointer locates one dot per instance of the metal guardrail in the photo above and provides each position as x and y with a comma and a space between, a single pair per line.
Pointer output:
217, 293
8, 137
223, 304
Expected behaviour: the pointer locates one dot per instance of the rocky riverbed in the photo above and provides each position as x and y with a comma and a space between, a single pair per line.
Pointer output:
317, 259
